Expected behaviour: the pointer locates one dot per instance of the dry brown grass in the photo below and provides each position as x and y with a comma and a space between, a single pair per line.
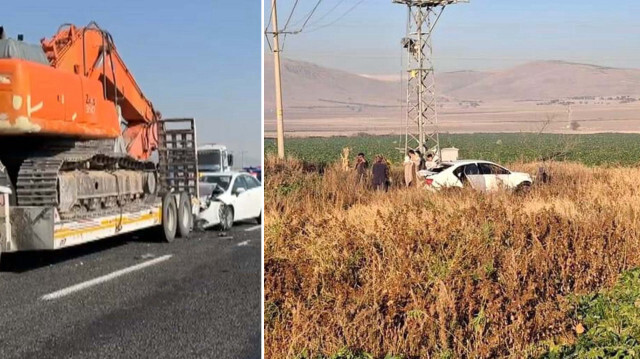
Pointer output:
456, 274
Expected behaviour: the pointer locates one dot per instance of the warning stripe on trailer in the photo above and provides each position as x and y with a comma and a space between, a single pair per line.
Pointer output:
74, 229
81, 224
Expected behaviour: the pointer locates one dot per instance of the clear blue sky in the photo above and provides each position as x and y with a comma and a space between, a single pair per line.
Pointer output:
192, 58
480, 35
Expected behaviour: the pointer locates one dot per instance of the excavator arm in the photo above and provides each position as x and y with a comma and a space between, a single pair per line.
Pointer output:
90, 52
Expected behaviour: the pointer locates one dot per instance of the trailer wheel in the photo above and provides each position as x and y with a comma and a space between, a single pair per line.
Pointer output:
169, 217
185, 217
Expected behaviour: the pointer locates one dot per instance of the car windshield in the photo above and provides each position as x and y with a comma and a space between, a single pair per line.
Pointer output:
222, 181
209, 160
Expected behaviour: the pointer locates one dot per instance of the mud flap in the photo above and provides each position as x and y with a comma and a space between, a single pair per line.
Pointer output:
32, 228
5, 222
6, 182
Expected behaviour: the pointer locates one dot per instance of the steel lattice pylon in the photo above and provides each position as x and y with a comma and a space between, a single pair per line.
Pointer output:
422, 114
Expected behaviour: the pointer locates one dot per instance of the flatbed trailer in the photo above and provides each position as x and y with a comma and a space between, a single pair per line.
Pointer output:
171, 210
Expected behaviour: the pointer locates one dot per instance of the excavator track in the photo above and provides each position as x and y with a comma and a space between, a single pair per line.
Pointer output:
38, 178
37, 182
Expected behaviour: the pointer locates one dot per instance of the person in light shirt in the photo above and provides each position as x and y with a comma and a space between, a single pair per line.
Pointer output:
430, 163
409, 169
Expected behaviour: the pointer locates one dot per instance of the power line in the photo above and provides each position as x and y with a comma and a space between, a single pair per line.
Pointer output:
286, 25
305, 21
284, 30
328, 12
310, 15
337, 19
269, 22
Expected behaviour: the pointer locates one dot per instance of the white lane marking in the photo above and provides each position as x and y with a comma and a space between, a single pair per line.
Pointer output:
253, 228
90, 283
242, 244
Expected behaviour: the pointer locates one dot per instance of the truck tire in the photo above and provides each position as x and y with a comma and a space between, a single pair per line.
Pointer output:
169, 218
185, 217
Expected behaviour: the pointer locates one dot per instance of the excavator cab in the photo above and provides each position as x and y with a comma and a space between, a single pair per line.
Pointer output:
18, 49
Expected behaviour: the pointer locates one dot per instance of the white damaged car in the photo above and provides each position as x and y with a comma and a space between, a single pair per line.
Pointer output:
228, 197
480, 175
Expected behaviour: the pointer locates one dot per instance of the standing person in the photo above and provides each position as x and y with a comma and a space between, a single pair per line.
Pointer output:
409, 170
430, 163
416, 168
361, 166
389, 180
380, 171
421, 165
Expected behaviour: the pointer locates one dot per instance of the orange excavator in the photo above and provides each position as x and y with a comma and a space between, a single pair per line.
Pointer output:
76, 131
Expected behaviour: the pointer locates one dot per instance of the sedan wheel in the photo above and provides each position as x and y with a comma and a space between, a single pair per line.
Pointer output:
226, 217
523, 188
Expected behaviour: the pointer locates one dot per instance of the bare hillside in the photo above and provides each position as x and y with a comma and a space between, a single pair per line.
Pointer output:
311, 86
551, 80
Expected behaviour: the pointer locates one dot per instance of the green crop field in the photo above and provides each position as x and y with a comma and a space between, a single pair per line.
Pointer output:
592, 150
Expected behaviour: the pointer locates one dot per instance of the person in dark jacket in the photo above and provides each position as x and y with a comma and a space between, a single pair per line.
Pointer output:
380, 174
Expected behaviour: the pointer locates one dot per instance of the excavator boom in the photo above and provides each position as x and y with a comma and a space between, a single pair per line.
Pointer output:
90, 51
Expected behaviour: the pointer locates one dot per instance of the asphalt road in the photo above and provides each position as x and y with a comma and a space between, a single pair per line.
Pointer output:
195, 298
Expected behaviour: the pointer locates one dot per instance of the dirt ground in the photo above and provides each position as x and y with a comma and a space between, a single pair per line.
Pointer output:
499, 116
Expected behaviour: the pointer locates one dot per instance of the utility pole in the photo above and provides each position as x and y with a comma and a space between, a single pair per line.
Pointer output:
278, 81
422, 115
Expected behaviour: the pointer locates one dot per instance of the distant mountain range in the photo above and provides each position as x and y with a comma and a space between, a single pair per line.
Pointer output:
308, 86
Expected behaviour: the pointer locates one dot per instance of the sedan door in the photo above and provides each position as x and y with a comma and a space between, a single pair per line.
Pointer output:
242, 200
255, 189
250, 202
471, 173
490, 178
496, 176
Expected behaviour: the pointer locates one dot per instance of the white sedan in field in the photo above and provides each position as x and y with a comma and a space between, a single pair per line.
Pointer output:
477, 174
228, 197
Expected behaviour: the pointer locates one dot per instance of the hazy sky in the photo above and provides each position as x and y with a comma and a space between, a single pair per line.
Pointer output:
480, 35
192, 58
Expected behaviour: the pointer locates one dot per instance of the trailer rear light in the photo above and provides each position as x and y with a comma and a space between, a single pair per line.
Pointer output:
429, 181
